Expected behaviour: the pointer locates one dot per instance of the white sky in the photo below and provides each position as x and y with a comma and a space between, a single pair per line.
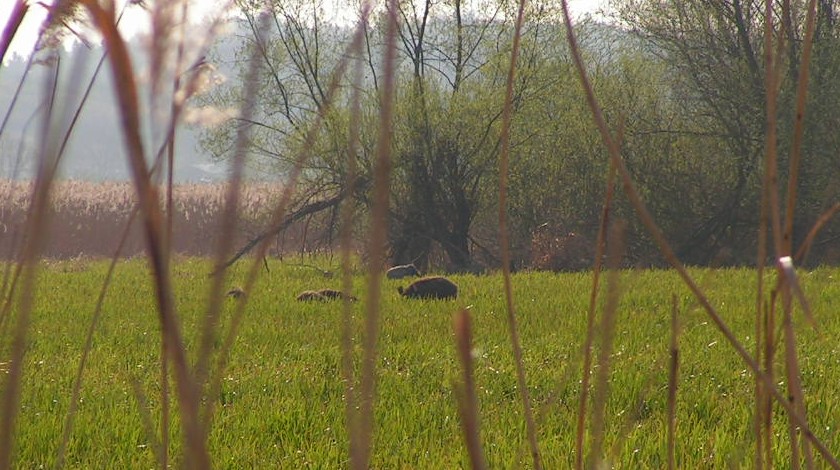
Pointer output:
136, 19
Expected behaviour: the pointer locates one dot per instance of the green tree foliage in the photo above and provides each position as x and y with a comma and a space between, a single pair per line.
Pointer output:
688, 110
714, 57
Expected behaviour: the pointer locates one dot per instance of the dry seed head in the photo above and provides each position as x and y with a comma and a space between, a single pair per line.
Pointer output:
208, 116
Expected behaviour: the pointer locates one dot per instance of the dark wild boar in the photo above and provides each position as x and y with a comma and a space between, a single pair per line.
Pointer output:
434, 287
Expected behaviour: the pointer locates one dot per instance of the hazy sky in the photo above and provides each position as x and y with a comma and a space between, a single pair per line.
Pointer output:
136, 20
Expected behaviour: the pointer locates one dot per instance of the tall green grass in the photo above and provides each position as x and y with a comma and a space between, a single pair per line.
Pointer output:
281, 399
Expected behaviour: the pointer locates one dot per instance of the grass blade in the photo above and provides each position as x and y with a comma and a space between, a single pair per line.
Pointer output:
9, 31
803, 250
673, 376
590, 319
607, 330
668, 252
465, 392
94, 322
126, 92
377, 240
504, 157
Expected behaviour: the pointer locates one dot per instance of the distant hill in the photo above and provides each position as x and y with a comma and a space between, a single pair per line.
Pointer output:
96, 151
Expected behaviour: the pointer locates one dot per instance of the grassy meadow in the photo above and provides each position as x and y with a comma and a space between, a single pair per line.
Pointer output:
281, 404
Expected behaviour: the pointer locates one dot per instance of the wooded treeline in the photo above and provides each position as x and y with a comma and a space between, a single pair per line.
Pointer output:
681, 82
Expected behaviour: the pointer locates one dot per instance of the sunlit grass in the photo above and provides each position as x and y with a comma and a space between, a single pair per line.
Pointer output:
281, 402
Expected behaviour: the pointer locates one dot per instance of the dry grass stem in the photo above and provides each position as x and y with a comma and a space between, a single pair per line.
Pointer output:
504, 157
15, 19
615, 251
145, 410
792, 370
277, 220
152, 221
465, 392
590, 318
799, 125
803, 250
666, 250
346, 237
377, 240
94, 322
35, 234
228, 220
673, 377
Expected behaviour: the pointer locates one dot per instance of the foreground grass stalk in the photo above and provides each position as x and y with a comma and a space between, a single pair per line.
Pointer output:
763, 411
262, 243
667, 251
504, 156
590, 319
346, 240
376, 246
15, 19
126, 91
228, 218
35, 235
767, 400
673, 376
794, 379
805, 247
465, 392
145, 410
799, 124
94, 322
607, 329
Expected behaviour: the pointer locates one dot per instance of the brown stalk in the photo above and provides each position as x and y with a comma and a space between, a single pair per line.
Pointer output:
9, 31
792, 369
16, 95
376, 246
126, 91
346, 236
673, 376
228, 224
465, 392
667, 251
35, 230
504, 157
790, 282
771, 172
763, 411
785, 266
146, 418
762, 424
94, 322
769, 359
615, 251
590, 318
799, 124
277, 217
805, 247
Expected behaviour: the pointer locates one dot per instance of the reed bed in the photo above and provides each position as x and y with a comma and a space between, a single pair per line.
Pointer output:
90, 217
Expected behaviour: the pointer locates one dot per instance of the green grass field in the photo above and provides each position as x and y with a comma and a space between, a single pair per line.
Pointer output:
281, 403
